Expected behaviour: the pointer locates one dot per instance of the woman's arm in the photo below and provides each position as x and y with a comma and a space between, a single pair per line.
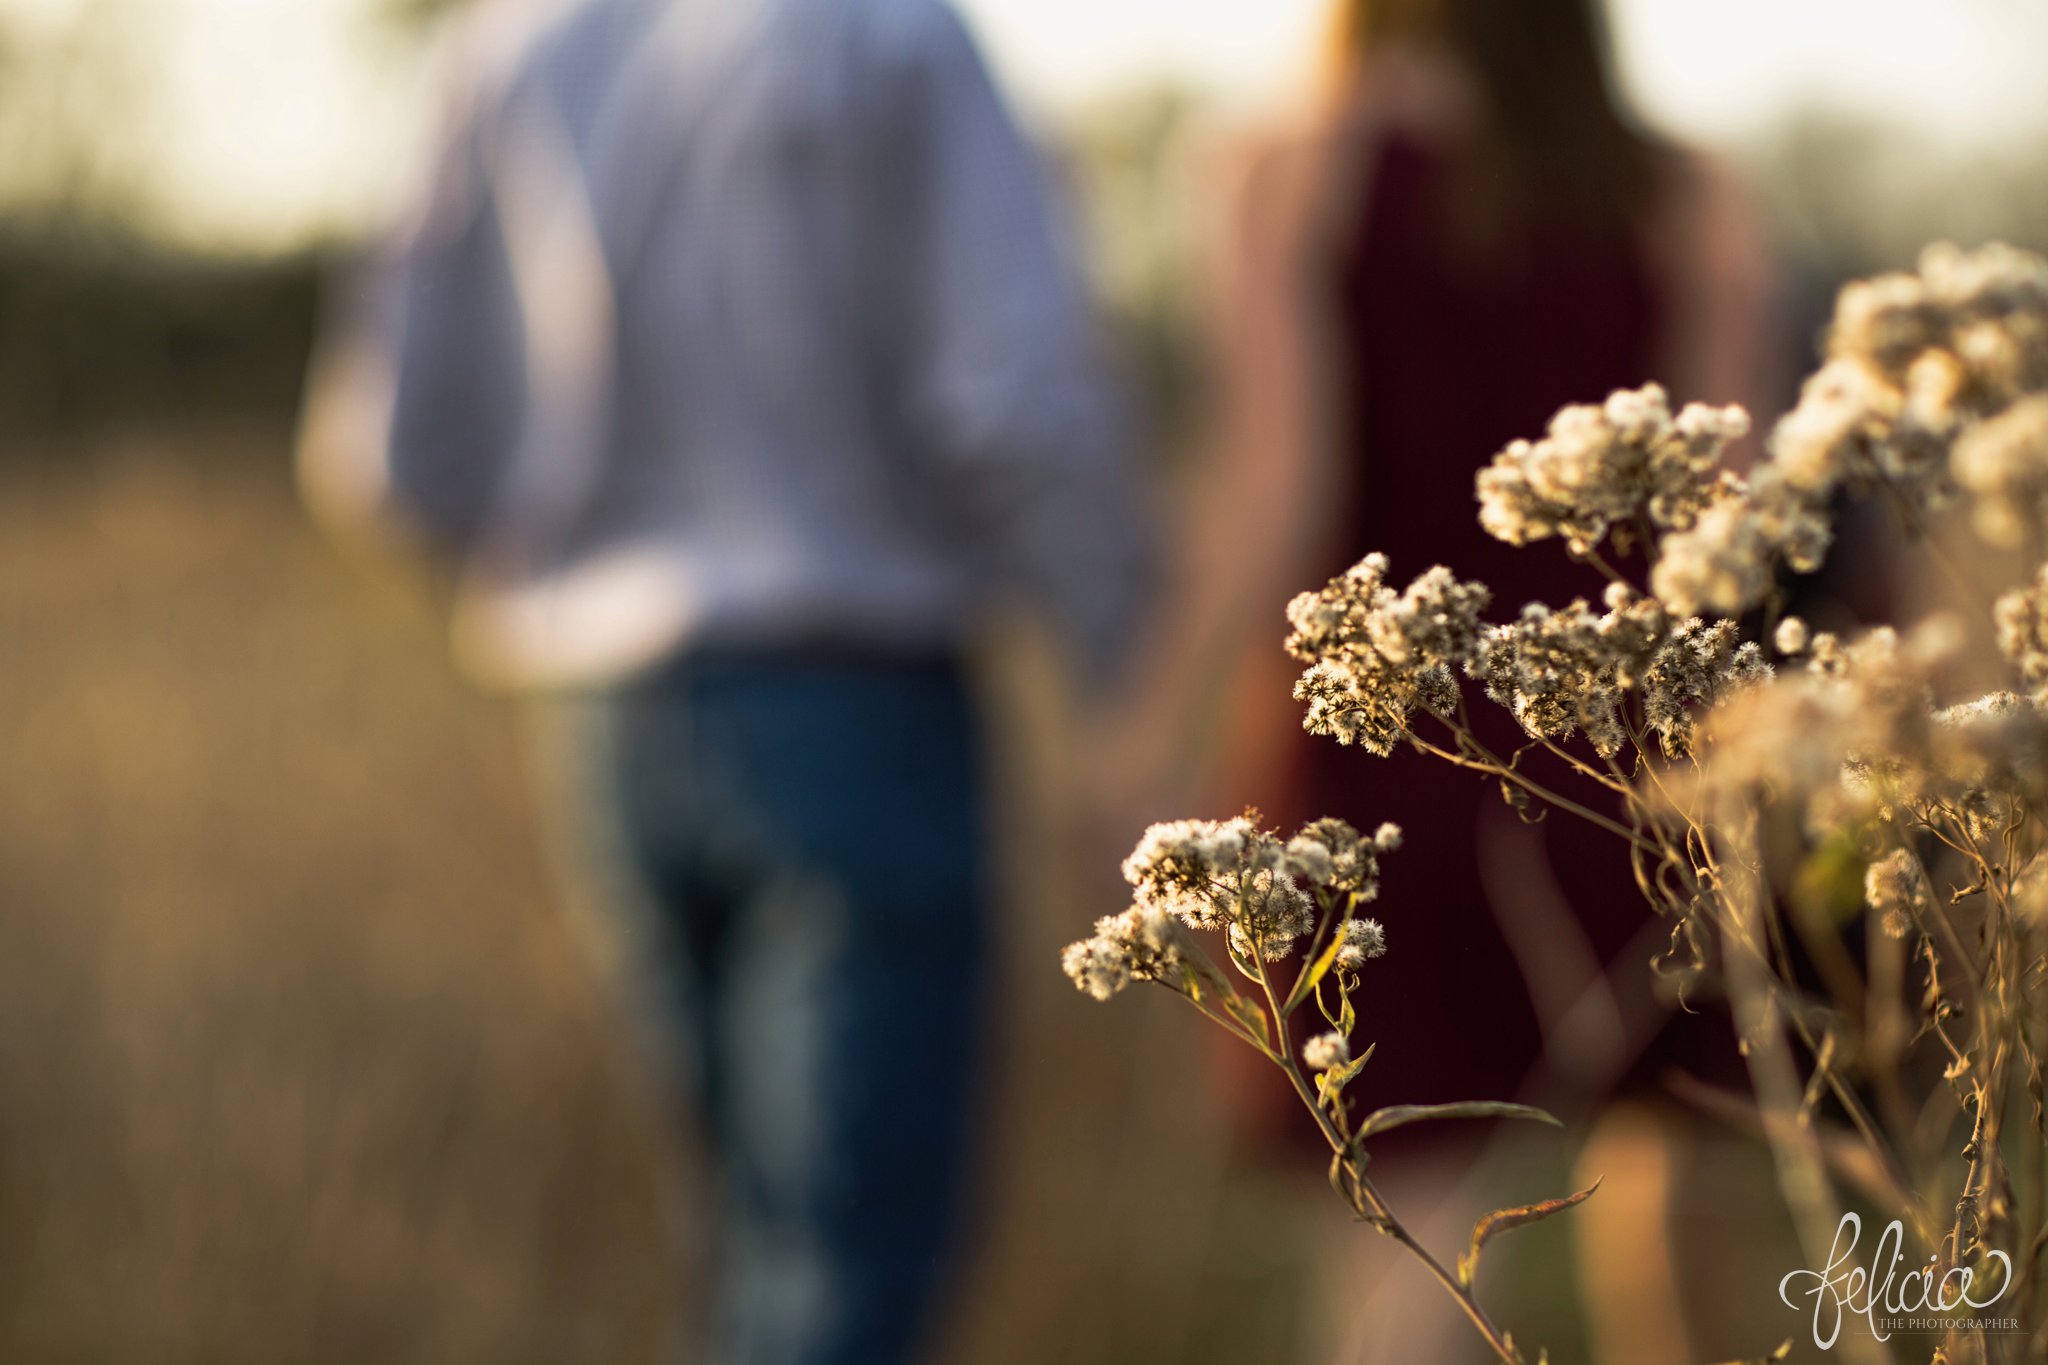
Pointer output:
1243, 521
1710, 254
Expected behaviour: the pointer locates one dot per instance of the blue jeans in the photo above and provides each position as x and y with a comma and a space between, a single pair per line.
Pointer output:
809, 831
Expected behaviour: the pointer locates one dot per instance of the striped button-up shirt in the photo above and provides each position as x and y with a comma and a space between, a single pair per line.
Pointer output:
738, 323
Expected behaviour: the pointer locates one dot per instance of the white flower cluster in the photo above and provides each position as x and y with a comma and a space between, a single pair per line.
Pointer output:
1912, 361
1141, 944
1326, 1051
1359, 941
1895, 886
1376, 655
1724, 561
1792, 637
1934, 384
1564, 670
1567, 670
1855, 739
2022, 620
1698, 665
1263, 893
1992, 754
2003, 463
1608, 465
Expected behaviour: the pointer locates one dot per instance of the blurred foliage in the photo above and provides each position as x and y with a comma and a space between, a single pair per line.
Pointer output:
301, 1058
415, 14
290, 1071
1863, 195
1139, 209
102, 330
71, 100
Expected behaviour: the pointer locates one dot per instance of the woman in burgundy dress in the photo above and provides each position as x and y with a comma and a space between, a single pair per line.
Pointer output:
1472, 234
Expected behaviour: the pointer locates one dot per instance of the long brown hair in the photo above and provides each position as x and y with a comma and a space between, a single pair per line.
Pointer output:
1554, 142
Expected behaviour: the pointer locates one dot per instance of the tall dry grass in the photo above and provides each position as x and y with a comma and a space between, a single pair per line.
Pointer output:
300, 1060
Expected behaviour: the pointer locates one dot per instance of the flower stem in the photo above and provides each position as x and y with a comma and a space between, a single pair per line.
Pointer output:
1382, 1217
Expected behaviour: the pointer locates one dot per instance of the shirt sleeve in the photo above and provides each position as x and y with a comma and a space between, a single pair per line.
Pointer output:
1007, 380
459, 350
429, 336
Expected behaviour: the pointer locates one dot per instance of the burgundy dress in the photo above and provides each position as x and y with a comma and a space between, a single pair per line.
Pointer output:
1442, 362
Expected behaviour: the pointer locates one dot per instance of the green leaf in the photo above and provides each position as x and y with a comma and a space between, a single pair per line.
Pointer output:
1314, 972
1249, 1013
1507, 1220
1341, 1177
1323, 1005
1401, 1115
1330, 1084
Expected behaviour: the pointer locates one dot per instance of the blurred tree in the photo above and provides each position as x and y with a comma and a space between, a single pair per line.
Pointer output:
73, 138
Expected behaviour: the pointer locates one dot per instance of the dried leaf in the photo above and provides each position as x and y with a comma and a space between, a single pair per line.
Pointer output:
1314, 972
1507, 1220
1330, 1084
1401, 1115
1784, 1352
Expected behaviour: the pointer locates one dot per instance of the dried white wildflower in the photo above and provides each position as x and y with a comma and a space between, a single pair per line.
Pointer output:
1273, 912
1387, 838
1230, 875
1697, 664
2003, 461
1354, 861
1895, 886
1853, 737
1185, 868
1990, 760
1726, 561
1889, 319
1309, 859
1994, 708
1722, 563
1326, 1051
1375, 655
1599, 466
1791, 637
2030, 891
1360, 941
1996, 299
1568, 670
1557, 670
1933, 380
1141, 944
1844, 411
1934, 389
1434, 619
1934, 383
2022, 620
1211, 875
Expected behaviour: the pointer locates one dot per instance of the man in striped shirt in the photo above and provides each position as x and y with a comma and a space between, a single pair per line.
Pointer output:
736, 358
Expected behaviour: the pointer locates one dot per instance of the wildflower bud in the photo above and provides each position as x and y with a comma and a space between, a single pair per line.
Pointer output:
1096, 969
1326, 1050
1360, 941
1896, 887
1309, 860
1792, 636
1386, 838
1137, 945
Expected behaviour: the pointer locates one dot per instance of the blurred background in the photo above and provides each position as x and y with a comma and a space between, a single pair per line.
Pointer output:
300, 1058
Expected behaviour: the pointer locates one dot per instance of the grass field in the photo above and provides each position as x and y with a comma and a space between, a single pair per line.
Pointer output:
301, 1061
